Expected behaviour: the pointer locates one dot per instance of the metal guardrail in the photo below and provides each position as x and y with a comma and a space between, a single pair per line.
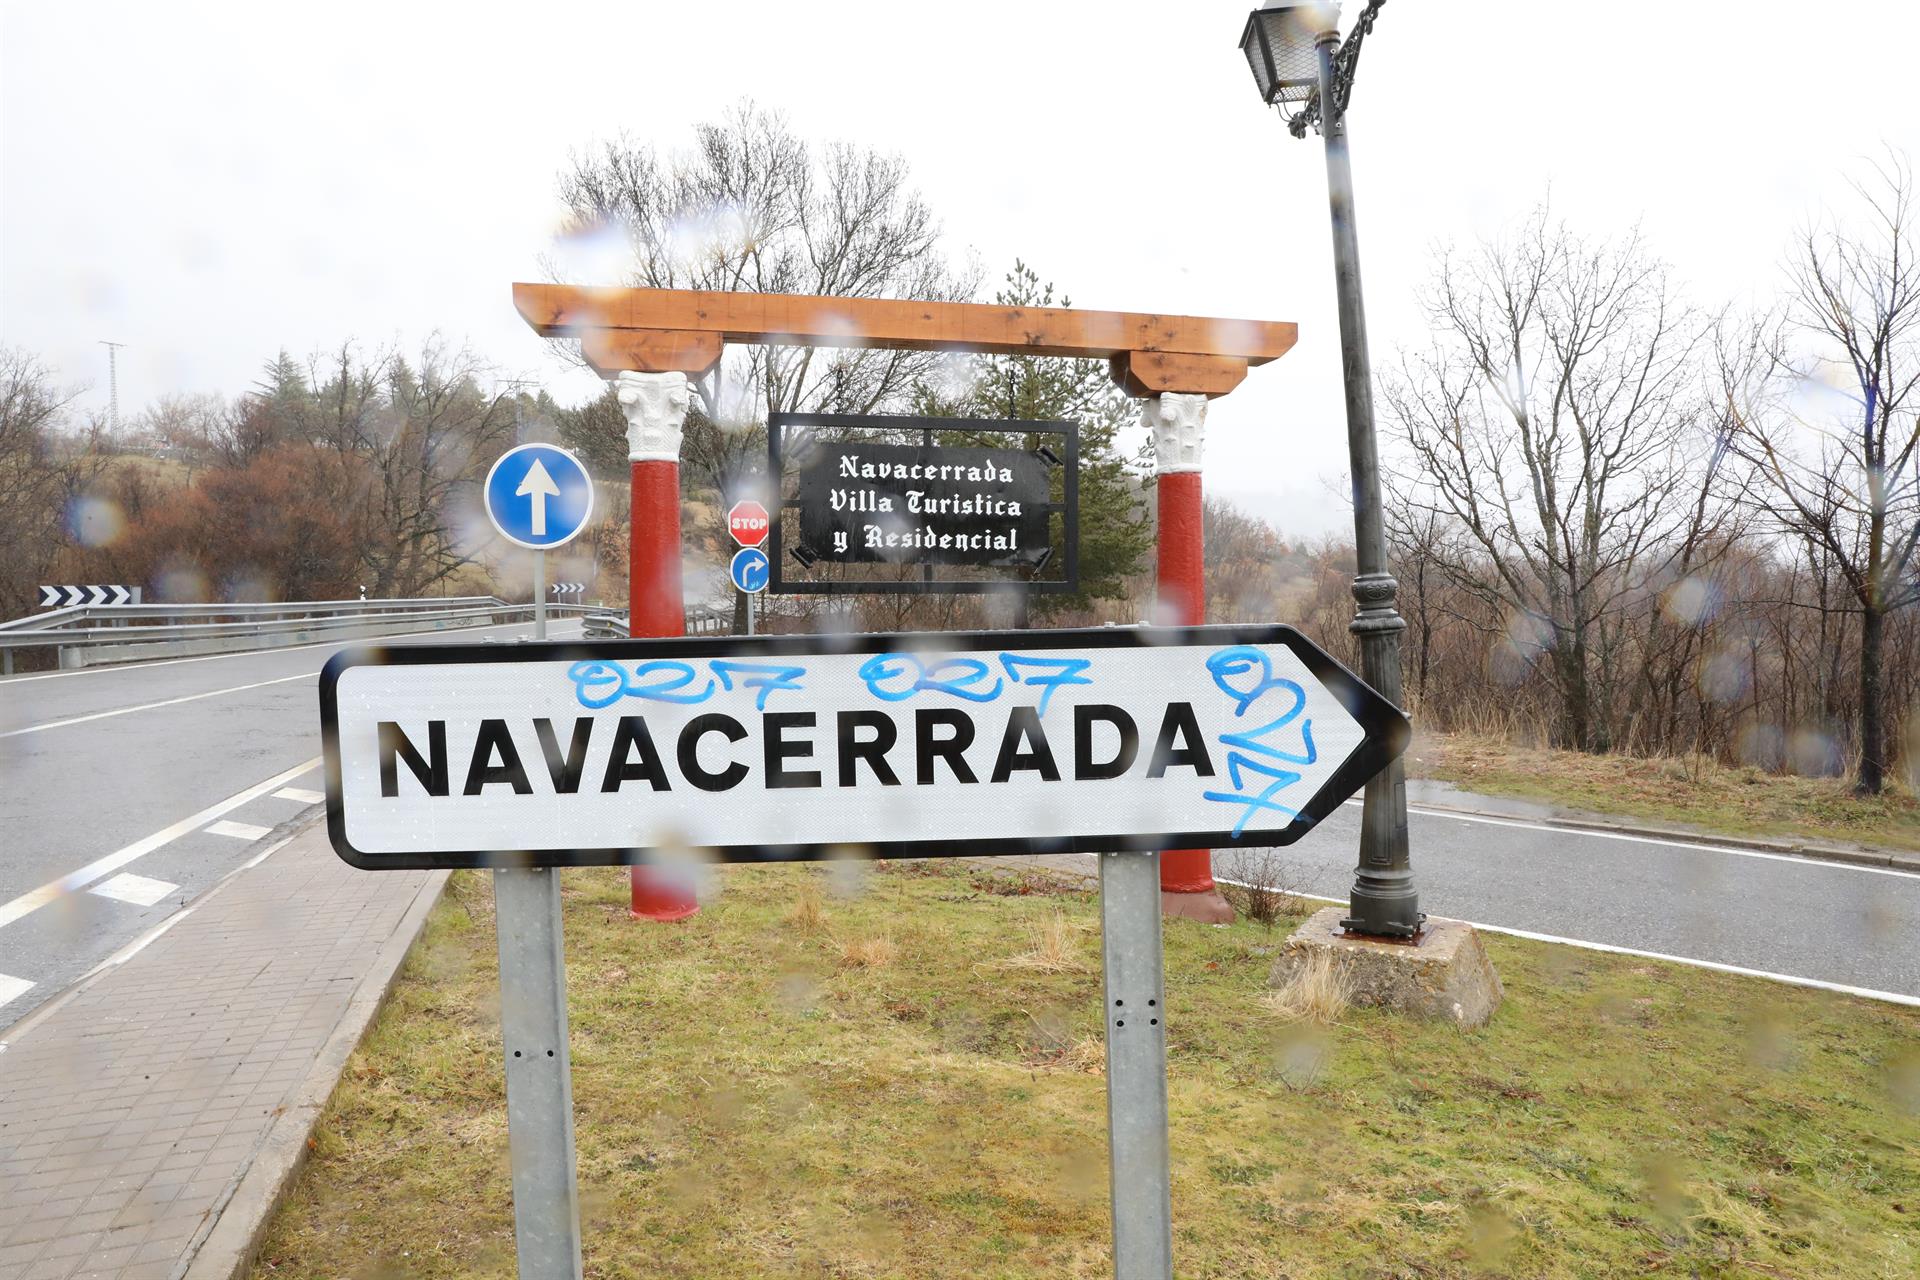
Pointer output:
701, 620
143, 631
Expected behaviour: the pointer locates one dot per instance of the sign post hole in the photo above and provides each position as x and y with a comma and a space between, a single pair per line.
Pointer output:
1115, 742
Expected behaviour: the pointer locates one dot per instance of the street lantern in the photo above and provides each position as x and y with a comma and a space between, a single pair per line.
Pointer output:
1279, 43
1301, 66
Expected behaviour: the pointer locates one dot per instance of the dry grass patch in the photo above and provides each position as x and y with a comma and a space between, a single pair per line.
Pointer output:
876, 952
1318, 992
808, 913
1056, 947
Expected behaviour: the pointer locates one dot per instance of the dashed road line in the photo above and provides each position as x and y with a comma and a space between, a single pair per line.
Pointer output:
34, 899
141, 891
238, 830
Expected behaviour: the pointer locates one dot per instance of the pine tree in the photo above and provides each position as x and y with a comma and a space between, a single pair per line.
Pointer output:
1115, 530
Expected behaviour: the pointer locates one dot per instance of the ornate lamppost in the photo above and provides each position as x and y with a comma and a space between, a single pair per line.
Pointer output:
1301, 66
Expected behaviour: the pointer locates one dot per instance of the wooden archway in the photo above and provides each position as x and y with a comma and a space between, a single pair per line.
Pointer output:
684, 331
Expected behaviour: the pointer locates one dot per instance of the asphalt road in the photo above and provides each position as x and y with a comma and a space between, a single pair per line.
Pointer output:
127, 791
1795, 917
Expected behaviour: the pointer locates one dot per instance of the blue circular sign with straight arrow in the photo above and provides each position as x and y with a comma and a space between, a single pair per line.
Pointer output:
750, 570
539, 496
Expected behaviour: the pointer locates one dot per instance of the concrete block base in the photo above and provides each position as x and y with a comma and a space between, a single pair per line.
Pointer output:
1446, 974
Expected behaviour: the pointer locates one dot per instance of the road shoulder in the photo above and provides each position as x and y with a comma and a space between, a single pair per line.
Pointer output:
150, 1123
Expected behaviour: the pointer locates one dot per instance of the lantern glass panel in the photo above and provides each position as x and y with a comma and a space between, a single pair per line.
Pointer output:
1279, 43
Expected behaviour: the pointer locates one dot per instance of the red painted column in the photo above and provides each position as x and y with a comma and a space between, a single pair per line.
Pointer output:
1186, 875
656, 407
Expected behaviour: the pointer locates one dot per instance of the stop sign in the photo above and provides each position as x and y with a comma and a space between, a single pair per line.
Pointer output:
747, 522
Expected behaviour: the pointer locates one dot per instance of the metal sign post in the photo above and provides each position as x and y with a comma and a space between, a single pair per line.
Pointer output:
1118, 741
1136, 1002
533, 1034
538, 497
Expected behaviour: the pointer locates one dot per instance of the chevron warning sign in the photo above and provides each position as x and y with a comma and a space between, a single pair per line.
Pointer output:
65, 597
569, 588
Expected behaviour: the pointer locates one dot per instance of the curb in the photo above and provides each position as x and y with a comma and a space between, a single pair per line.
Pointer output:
1860, 857
234, 1236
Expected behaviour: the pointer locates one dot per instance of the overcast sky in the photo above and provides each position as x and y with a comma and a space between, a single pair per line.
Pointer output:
208, 183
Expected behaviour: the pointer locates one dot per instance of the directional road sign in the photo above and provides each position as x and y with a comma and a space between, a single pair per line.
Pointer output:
750, 570
57, 597
798, 747
748, 523
538, 496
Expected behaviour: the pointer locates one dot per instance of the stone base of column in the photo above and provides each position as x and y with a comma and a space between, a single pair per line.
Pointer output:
1187, 889
1207, 906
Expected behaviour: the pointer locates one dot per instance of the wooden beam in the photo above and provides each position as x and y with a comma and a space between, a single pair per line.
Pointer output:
560, 311
649, 351
1149, 373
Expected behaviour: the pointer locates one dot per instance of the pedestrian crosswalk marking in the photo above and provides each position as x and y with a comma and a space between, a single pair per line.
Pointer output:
11, 987
296, 793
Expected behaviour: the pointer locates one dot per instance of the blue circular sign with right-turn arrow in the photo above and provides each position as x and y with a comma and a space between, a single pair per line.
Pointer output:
539, 496
750, 570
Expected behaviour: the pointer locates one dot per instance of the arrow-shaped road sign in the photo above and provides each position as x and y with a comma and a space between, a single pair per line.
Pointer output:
1035, 742
538, 486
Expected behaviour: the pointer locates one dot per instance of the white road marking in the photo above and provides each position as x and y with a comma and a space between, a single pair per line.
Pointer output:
1521, 823
238, 830
1794, 980
11, 987
149, 706
139, 890
33, 900
295, 793
135, 947
254, 653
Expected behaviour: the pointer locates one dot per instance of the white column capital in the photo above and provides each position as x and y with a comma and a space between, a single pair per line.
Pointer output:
656, 409
1179, 424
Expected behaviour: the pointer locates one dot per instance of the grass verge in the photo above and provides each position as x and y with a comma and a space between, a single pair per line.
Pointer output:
1696, 792
756, 1097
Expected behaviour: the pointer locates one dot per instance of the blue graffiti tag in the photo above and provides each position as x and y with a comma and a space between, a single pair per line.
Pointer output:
767, 677
1227, 667
659, 681
895, 677
1052, 673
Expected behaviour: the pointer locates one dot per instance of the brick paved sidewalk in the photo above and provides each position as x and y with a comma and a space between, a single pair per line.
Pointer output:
130, 1113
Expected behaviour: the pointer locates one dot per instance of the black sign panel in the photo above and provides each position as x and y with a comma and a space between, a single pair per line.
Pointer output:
909, 504
882, 491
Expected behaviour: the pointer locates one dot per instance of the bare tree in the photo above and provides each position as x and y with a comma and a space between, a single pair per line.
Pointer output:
1551, 426
753, 207
33, 479
1826, 402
